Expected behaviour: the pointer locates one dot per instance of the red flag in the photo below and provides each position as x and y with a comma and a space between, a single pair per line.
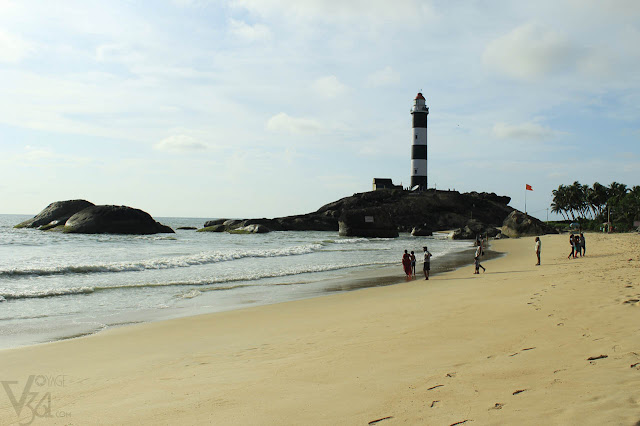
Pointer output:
528, 187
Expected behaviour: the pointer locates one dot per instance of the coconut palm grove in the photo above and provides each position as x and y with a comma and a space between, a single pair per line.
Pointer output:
597, 205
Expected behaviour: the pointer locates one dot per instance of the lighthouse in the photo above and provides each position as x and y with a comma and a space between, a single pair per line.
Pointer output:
419, 112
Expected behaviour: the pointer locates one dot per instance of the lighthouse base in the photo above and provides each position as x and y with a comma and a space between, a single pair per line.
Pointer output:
420, 181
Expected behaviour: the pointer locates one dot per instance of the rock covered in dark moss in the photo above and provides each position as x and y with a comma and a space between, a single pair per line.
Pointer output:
213, 228
55, 214
214, 222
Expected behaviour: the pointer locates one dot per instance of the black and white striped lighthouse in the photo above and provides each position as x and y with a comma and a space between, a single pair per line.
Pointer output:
419, 112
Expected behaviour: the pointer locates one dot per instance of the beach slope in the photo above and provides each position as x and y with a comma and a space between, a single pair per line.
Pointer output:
520, 344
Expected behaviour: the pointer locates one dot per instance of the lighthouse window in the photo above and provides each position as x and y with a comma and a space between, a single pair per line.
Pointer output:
416, 136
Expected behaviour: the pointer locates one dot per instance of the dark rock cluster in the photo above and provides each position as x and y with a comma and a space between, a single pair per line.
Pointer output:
393, 211
83, 217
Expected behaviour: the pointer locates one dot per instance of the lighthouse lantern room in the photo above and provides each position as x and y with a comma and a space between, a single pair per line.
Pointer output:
419, 143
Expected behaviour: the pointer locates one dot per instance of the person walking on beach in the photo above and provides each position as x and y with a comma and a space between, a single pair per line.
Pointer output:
413, 263
427, 263
477, 261
406, 264
573, 247
583, 246
538, 244
576, 246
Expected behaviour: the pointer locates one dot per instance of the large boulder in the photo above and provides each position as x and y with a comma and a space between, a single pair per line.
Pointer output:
55, 214
371, 223
421, 231
114, 220
517, 224
471, 231
250, 229
214, 222
213, 228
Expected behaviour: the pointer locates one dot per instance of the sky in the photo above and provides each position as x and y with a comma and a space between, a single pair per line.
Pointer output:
266, 108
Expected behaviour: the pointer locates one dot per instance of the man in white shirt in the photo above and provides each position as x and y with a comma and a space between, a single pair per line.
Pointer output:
538, 249
427, 263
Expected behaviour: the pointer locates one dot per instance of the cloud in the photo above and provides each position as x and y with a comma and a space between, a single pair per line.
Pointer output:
529, 52
382, 12
180, 143
523, 131
35, 156
13, 48
329, 87
384, 77
115, 52
251, 33
284, 123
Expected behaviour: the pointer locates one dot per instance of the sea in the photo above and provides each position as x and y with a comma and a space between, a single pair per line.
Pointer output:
57, 286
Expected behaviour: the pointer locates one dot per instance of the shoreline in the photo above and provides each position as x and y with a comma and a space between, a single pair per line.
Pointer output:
377, 276
509, 346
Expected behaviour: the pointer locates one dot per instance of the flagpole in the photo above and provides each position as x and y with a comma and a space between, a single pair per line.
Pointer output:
525, 201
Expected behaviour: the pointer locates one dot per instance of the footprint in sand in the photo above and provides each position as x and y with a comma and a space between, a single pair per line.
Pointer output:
633, 302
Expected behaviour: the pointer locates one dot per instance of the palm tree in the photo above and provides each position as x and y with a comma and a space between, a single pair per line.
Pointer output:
597, 197
560, 201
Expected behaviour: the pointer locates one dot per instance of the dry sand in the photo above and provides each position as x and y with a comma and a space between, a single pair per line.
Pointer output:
510, 346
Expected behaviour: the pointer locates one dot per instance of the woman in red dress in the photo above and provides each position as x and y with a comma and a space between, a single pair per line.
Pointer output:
406, 264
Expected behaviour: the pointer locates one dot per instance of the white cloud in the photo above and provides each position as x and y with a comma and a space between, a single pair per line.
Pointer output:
35, 156
180, 143
523, 131
13, 48
529, 52
284, 123
329, 87
251, 33
372, 11
115, 52
384, 77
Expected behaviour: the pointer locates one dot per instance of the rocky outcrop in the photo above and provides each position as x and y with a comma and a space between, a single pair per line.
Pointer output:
55, 214
371, 223
517, 224
83, 217
251, 229
214, 222
421, 231
213, 228
474, 229
427, 211
114, 220
423, 212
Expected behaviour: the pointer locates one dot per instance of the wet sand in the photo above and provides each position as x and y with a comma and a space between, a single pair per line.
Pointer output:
519, 344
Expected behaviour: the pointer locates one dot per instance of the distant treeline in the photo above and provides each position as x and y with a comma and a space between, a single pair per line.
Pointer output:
593, 203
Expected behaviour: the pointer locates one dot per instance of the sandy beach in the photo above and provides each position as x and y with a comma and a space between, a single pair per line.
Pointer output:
509, 346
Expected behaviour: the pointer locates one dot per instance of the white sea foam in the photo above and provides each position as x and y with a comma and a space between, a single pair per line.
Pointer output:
53, 292
164, 263
34, 294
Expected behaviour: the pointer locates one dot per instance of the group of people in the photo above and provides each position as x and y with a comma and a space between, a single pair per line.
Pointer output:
409, 263
578, 246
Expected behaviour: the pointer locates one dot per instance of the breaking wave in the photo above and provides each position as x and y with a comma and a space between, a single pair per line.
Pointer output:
200, 284
163, 263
